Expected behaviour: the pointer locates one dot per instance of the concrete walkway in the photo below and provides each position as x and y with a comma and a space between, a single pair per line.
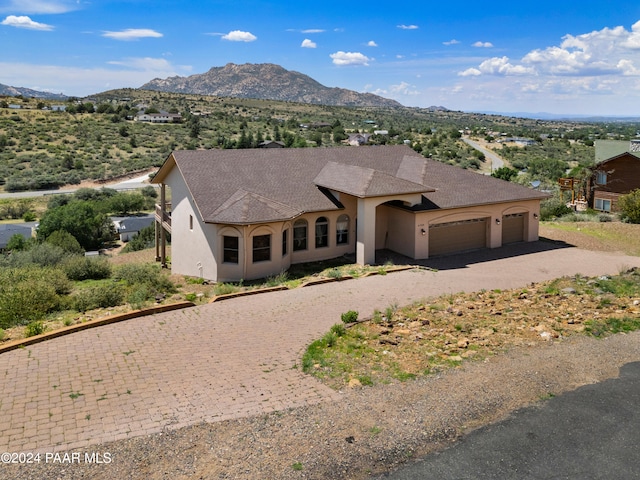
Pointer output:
230, 359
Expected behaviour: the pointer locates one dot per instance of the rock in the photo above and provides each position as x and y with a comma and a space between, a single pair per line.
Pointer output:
354, 383
463, 343
569, 290
455, 358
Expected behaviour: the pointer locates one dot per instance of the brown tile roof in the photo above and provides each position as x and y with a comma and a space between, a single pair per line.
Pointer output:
261, 185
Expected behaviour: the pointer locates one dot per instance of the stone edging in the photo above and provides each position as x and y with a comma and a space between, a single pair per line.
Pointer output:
23, 342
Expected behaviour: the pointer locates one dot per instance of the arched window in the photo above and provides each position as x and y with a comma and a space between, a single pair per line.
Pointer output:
342, 230
322, 232
300, 235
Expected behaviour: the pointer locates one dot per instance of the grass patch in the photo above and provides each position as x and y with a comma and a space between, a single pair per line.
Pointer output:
426, 338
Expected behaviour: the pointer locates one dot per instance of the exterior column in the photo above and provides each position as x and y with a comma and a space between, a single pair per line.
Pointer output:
366, 233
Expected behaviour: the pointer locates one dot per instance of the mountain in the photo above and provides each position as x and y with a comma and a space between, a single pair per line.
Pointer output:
6, 90
268, 82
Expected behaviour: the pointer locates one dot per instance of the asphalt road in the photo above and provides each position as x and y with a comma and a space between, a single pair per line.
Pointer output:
590, 433
496, 161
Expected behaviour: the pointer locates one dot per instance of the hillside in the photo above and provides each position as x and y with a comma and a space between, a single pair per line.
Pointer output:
8, 91
265, 81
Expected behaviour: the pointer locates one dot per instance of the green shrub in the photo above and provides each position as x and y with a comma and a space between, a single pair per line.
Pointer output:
349, 317
629, 206
28, 294
34, 328
338, 329
65, 241
81, 268
553, 208
103, 296
1, 334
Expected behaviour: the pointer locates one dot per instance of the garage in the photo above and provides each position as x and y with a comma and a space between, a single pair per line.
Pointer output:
513, 228
452, 237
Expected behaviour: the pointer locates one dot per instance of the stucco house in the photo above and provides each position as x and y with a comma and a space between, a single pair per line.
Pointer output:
247, 214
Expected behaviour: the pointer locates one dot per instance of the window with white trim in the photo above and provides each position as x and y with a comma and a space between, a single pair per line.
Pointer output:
602, 204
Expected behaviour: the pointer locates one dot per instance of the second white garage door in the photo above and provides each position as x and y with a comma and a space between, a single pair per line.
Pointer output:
452, 237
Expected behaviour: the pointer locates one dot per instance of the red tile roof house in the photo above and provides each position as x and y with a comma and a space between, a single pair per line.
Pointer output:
249, 214
612, 178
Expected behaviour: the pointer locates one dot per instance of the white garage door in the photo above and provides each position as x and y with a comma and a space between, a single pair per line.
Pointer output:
455, 237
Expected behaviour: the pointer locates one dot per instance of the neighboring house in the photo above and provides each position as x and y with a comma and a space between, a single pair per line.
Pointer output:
357, 139
162, 117
612, 178
8, 230
128, 227
248, 214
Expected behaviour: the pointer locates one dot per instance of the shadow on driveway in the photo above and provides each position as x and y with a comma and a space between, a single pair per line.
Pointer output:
463, 260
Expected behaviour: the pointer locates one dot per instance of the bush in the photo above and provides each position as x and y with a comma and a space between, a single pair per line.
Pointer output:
553, 208
629, 206
27, 295
146, 281
34, 328
104, 296
66, 241
349, 317
81, 268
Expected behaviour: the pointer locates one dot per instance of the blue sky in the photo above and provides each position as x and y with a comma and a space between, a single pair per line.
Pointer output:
566, 57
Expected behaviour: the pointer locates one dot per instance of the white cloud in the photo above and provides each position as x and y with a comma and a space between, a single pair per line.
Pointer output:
132, 34
470, 72
306, 43
607, 52
408, 27
239, 36
482, 45
371, 43
81, 82
145, 63
40, 6
25, 22
451, 42
350, 58
313, 30
403, 88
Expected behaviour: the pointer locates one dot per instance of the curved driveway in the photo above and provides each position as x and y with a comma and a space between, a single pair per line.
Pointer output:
228, 359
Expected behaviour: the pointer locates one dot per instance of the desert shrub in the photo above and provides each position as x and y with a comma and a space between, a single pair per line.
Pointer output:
605, 217
145, 281
103, 296
349, 317
86, 268
34, 328
629, 206
2, 334
27, 295
553, 208
44, 255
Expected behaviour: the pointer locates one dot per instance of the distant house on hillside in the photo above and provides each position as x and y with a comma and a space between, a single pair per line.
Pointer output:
9, 230
615, 176
162, 117
128, 227
357, 139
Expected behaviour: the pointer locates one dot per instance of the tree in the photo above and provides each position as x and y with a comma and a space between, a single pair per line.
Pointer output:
66, 242
83, 220
504, 173
629, 206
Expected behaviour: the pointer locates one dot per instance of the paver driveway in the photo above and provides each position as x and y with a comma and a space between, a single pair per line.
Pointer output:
229, 359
